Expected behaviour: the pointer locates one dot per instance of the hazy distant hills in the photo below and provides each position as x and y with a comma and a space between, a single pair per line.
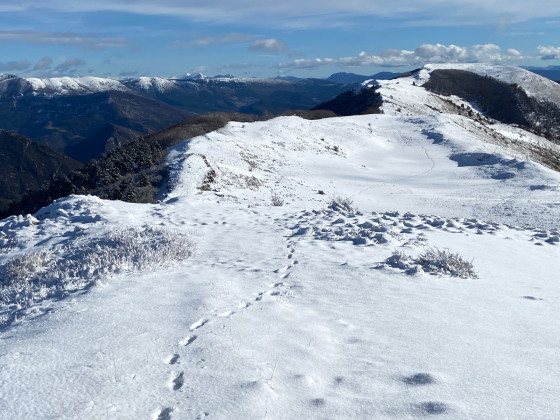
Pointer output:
26, 164
550, 72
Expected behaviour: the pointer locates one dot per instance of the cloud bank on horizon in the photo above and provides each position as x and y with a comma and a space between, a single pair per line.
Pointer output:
427, 53
264, 38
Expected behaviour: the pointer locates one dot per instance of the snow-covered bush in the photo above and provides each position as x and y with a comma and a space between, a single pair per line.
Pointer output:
398, 259
433, 261
277, 201
33, 276
345, 205
436, 261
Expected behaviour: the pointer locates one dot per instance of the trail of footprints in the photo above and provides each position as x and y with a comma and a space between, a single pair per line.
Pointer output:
275, 290
386, 228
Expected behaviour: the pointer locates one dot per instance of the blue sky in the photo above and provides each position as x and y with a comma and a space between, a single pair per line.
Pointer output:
122, 38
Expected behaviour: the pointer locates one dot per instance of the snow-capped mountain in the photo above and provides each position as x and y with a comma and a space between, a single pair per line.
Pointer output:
395, 265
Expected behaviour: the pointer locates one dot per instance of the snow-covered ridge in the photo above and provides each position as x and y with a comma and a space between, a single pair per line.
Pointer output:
534, 85
73, 85
157, 84
91, 84
287, 155
406, 96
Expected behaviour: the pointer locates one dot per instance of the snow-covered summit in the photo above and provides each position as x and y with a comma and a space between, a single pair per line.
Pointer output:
194, 76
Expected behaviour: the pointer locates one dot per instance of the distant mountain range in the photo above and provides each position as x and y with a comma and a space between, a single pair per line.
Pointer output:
86, 116
550, 72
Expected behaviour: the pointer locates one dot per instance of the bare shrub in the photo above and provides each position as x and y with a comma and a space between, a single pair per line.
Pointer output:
437, 261
398, 259
33, 276
345, 205
433, 261
276, 199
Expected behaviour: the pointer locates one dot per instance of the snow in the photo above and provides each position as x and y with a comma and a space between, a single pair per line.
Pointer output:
293, 311
70, 85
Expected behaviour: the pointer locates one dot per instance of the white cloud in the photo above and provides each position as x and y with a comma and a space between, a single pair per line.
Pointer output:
303, 63
43, 63
426, 53
216, 39
128, 73
257, 44
268, 45
14, 65
548, 53
84, 42
314, 13
70, 64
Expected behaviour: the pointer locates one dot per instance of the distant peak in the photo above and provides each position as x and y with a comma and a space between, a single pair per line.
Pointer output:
195, 76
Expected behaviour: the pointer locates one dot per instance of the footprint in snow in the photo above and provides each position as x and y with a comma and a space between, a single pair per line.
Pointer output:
201, 322
317, 402
177, 381
164, 414
419, 379
430, 408
171, 360
187, 340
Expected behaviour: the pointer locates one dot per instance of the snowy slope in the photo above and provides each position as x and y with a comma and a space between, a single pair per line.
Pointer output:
298, 310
